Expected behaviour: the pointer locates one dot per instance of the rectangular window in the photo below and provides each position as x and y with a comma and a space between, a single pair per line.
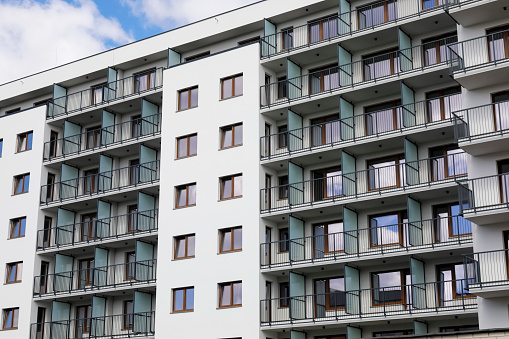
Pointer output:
380, 64
184, 246
136, 123
41, 102
18, 227
232, 86
388, 229
83, 322
453, 282
284, 240
327, 183
383, 117
97, 93
187, 146
325, 130
386, 172
144, 80
128, 314
24, 141
231, 186
230, 239
287, 38
328, 238
435, 48
323, 29
389, 287
183, 299
86, 272
1, 146
197, 56
377, 13
330, 294
187, 98
13, 273
392, 333
498, 43
323, 79
500, 102
130, 265
449, 222
21, 183
447, 162
282, 139
281, 87
185, 195
440, 103
10, 318
230, 294
284, 294
283, 186
231, 136
14, 110
93, 137
503, 170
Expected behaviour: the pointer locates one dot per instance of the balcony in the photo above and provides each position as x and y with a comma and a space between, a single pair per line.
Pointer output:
368, 242
96, 231
373, 182
362, 127
141, 325
354, 22
358, 305
366, 71
96, 278
105, 94
481, 61
100, 183
485, 200
101, 138
483, 129
487, 273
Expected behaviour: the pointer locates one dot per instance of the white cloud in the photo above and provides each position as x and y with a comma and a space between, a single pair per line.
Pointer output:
167, 13
35, 36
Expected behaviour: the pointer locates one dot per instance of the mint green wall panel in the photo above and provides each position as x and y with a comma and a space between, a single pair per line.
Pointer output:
296, 235
350, 226
146, 213
295, 135
110, 92
107, 128
405, 47
345, 67
64, 227
142, 312
297, 335
60, 315
105, 176
144, 261
68, 181
68, 172
420, 327
103, 219
269, 41
353, 332
148, 165
297, 296
347, 121
352, 286
72, 138
348, 167
174, 58
63, 273
100, 266
344, 22
412, 165
296, 185
59, 102
98, 322
149, 115
418, 283
294, 83
408, 102
59, 91
415, 235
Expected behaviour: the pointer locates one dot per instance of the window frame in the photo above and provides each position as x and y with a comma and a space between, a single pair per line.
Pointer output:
283, 187
10, 312
323, 73
452, 268
197, 56
320, 177
496, 117
284, 294
444, 153
1, 146
231, 178
13, 223
221, 289
185, 237
18, 266
397, 158
400, 225
504, 31
327, 235
440, 94
222, 233
151, 72
127, 318
393, 105
325, 20
233, 78
130, 273
93, 88
403, 274
287, 38
284, 244
231, 128
386, 13
13, 110
184, 301
177, 192
323, 123
449, 222
189, 91
370, 59
188, 137
327, 293
436, 40
20, 148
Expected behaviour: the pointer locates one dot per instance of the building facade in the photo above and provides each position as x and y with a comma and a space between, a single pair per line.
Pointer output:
304, 169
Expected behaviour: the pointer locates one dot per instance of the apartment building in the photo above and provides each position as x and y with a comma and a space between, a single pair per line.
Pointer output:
305, 169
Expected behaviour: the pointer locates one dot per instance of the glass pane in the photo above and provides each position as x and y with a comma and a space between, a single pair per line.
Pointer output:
190, 299
226, 189
237, 293
226, 244
226, 292
496, 45
227, 88
456, 162
334, 183
314, 32
193, 144
23, 224
8, 320
502, 115
337, 295
190, 245
182, 148
387, 229
192, 194
461, 286
238, 134
239, 86
390, 286
382, 175
26, 182
181, 248
335, 237
194, 97
237, 186
12, 273
179, 300
227, 138
184, 100
182, 196
15, 317
22, 142
237, 239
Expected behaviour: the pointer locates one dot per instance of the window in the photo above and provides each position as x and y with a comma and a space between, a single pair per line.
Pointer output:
282, 139
231, 186
128, 314
287, 38
284, 294
389, 287
183, 299
53, 144
130, 265
14, 110
383, 117
187, 146
498, 43
281, 87
188, 98
24, 142
134, 171
449, 222
392, 333
327, 183
21, 183
380, 64
91, 181
136, 123
88, 226
14, 272
10, 316
232, 86
283, 187
97, 93
249, 41
93, 137
388, 229
132, 218
86, 272
184, 246
330, 294
377, 13
386, 172
185, 195
18, 227
284, 240
323, 79
328, 238
461, 328
503, 171
231, 136
1, 146
144, 80
83, 320
440, 104
230, 239
325, 130
230, 294
453, 282
46, 234
435, 48
197, 56
323, 29
500, 110
447, 161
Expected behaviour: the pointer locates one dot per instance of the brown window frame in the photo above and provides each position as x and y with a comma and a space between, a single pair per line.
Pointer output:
436, 40
326, 235
504, 30
93, 88
222, 233
287, 38
282, 139
13, 223
396, 158
283, 184
387, 105
234, 79
127, 318
450, 223
392, 53
440, 94
189, 91
18, 266
386, 12
90, 181
88, 225
231, 284
85, 320
322, 70
132, 218
444, 149
186, 246
23, 146
88, 272
322, 172
284, 294
328, 306
231, 178
184, 301
6, 314
403, 274
188, 137
451, 266
42, 102
320, 22
20, 180
323, 122
178, 189
249, 41
281, 87
400, 215
225, 129
151, 72
93, 134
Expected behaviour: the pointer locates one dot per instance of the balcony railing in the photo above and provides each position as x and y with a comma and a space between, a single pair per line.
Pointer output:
402, 237
373, 181
93, 140
487, 269
484, 194
109, 92
349, 23
378, 302
360, 72
95, 278
489, 50
97, 230
114, 326
371, 125
91, 185
482, 121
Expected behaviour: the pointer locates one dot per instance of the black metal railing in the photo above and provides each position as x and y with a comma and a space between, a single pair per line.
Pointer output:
379, 239
488, 50
99, 183
100, 95
95, 278
377, 302
97, 230
373, 181
481, 122
114, 326
371, 125
100, 138
484, 194
358, 20
487, 269
364, 71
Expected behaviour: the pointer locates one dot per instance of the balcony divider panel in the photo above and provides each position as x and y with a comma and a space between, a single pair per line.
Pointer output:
295, 184
98, 323
100, 267
68, 185
62, 280
144, 261
344, 19
106, 172
149, 109
345, 67
111, 89
412, 162
405, 46
297, 290
58, 104
420, 327
296, 239
103, 219
346, 128
418, 287
107, 128
174, 58
64, 228
348, 168
146, 203
415, 232
294, 77
60, 315
408, 108
297, 335
142, 308
352, 287
350, 227
72, 138
295, 134
268, 43
148, 158
353, 332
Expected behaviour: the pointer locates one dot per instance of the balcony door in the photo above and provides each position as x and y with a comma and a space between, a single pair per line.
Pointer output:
391, 287
83, 318
383, 117
53, 141
329, 295
46, 233
88, 223
388, 229
41, 317
503, 170
325, 130
435, 48
268, 191
327, 183
449, 223
50, 187
377, 13
136, 126
322, 29
328, 238
452, 283
130, 265
43, 282
501, 110
85, 273
506, 254
132, 218
498, 43
97, 94
387, 172
447, 162
380, 64
134, 172
93, 137
144, 80
323, 79
90, 181
440, 104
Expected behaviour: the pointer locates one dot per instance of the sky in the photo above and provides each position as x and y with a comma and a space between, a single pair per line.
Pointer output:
36, 35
